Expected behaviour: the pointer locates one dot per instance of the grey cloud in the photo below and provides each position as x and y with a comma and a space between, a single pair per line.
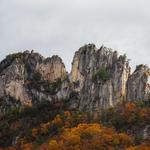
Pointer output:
62, 26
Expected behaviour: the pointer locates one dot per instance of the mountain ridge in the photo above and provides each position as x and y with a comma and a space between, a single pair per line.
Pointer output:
99, 79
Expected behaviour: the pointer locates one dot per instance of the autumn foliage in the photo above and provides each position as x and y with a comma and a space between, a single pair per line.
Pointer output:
114, 129
90, 137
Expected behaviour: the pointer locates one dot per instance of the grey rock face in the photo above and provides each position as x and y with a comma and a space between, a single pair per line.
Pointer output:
99, 94
52, 69
23, 75
137, 85
99, 79
146, 132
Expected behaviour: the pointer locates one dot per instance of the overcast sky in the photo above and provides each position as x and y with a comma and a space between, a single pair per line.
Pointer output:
62, 26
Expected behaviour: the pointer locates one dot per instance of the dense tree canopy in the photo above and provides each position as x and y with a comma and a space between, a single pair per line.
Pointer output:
114, 129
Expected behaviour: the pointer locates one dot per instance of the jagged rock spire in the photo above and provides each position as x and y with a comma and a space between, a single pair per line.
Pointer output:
99, 79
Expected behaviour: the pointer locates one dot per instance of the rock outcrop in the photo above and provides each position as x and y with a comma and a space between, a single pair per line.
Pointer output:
99, 79
96, 92
23, 77
138, 87
52, 69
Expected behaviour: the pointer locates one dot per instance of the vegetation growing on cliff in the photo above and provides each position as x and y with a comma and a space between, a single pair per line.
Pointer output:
54, 86
100, 74
123, 57
37, 77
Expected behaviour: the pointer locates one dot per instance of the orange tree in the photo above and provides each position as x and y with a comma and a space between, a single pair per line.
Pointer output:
90, 137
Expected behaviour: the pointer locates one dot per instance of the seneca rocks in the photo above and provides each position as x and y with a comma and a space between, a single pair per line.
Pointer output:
99, 79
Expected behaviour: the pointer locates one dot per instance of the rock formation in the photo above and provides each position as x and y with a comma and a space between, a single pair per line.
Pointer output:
23, 77
95, 92
137, 85
99, 79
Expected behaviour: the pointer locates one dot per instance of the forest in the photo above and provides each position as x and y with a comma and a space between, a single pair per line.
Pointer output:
45, 127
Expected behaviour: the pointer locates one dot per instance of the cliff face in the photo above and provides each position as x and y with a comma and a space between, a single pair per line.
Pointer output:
23, 77
52, 69
138, 87
99, 79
